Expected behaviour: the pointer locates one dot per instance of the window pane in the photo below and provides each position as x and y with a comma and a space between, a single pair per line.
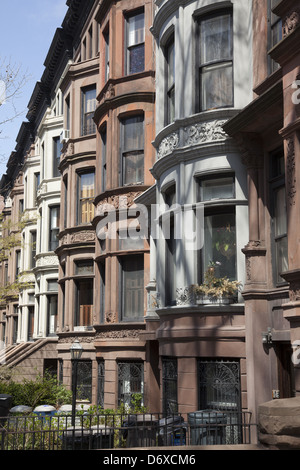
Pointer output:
218, 188
52, 314
217, 90
84, 302
86, 195
133, 168
130, 380
280, 218
52, 285
84, 267
220, 244
136, 57
84, 380
88, 109
136, 29
133, 287
281, 257
135, 43
133, 138
216, 39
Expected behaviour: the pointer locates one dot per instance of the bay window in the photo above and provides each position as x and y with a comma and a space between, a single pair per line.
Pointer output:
215, 61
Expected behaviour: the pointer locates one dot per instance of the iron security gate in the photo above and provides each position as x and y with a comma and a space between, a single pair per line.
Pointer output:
220, 390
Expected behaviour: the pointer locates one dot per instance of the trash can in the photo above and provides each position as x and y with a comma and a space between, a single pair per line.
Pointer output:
5, 405
20, 410
77, 439
207, 427
140, 430
172, 431
102, 437
45, 411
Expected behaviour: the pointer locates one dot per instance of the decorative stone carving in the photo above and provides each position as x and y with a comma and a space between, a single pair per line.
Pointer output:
110, 317
168, 144
205, 132
185, 296
291, 172
47, 260
122, 201
291, 22
119, 334
82, 237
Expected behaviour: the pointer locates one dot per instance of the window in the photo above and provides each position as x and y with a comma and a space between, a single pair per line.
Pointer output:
275, 33
37, 181
102, 291
65, 181
132, 285
215, 56
33, 248
54, 227
217, 188
57, 146
169, 375
67, 107
170, 64
279, 215
18, 263
84, 268
88, 106
52, 314
219, 226
170, 248
84, 380
30, 322
86, 197
84, 302
130, 381
106, 65
103, 135
101, 381
135, 47
219, 385
132, 150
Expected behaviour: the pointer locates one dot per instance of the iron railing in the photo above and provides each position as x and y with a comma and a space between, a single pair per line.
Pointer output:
40, 432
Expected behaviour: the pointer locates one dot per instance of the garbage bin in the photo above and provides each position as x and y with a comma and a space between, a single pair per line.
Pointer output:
172, 431
77, 439
102, 437
20, 410
207, 427
45, 411
140, 430
5, 404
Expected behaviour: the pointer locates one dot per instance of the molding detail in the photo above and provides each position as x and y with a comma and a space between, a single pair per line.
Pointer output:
168, 144
291, 22
291, 171
48, 260
81, 237
210, 131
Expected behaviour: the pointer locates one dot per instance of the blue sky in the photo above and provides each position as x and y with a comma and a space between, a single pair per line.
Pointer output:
26, 32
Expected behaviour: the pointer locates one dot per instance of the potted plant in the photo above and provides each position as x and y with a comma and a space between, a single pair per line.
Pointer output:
220, 290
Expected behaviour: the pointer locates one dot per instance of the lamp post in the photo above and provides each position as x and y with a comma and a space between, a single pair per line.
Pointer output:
76, 352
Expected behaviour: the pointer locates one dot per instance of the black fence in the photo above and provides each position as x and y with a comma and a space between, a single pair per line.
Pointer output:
55, 432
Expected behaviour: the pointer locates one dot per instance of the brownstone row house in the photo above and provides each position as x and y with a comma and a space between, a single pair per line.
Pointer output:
158, 104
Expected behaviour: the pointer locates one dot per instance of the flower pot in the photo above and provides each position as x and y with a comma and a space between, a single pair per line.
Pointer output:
205, 300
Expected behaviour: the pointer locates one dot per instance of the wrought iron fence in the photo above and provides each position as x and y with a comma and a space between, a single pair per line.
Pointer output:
34, 432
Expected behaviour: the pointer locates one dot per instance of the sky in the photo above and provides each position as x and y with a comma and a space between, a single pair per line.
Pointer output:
26, 32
